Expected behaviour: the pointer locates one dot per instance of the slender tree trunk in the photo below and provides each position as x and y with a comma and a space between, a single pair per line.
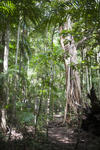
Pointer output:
38, 114
16, 76
5, 86
18, 38
48, 114
2, 43
38, 107
73, 90
2, 39
87, 79
90, 76
52, 78
98, 73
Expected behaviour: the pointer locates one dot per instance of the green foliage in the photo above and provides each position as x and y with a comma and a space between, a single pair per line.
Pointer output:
25, 117
7, 7
40, 72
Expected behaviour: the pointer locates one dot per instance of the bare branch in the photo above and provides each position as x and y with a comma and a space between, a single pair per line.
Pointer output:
82, 41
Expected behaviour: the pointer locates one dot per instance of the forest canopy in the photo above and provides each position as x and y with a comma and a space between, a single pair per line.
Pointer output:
49, 61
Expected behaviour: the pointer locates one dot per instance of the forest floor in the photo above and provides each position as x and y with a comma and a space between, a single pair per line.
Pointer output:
70, 139
59, 138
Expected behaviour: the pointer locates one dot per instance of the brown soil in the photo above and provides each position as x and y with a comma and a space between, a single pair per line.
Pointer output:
59, 138
70, 139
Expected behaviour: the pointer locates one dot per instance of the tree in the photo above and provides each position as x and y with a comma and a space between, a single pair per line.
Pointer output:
48, 42
73, 90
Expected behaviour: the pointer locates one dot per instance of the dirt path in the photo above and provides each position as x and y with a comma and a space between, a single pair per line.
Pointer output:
69, 139
59, 138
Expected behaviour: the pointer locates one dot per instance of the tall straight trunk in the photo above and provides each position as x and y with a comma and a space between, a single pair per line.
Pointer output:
6, 50
17, 48
98, 72
48, 114
2, 43
5, 71
52, 70
15, 76
38, 107
87, 80
73, 90
82, 76
87, 76
90, 76
38, 114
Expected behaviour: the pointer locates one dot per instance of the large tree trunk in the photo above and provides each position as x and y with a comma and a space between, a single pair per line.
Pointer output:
73, 90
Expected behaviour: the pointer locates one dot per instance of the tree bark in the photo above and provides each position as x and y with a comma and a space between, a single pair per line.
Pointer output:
73, 90
2, 36
16, 76
5, 54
